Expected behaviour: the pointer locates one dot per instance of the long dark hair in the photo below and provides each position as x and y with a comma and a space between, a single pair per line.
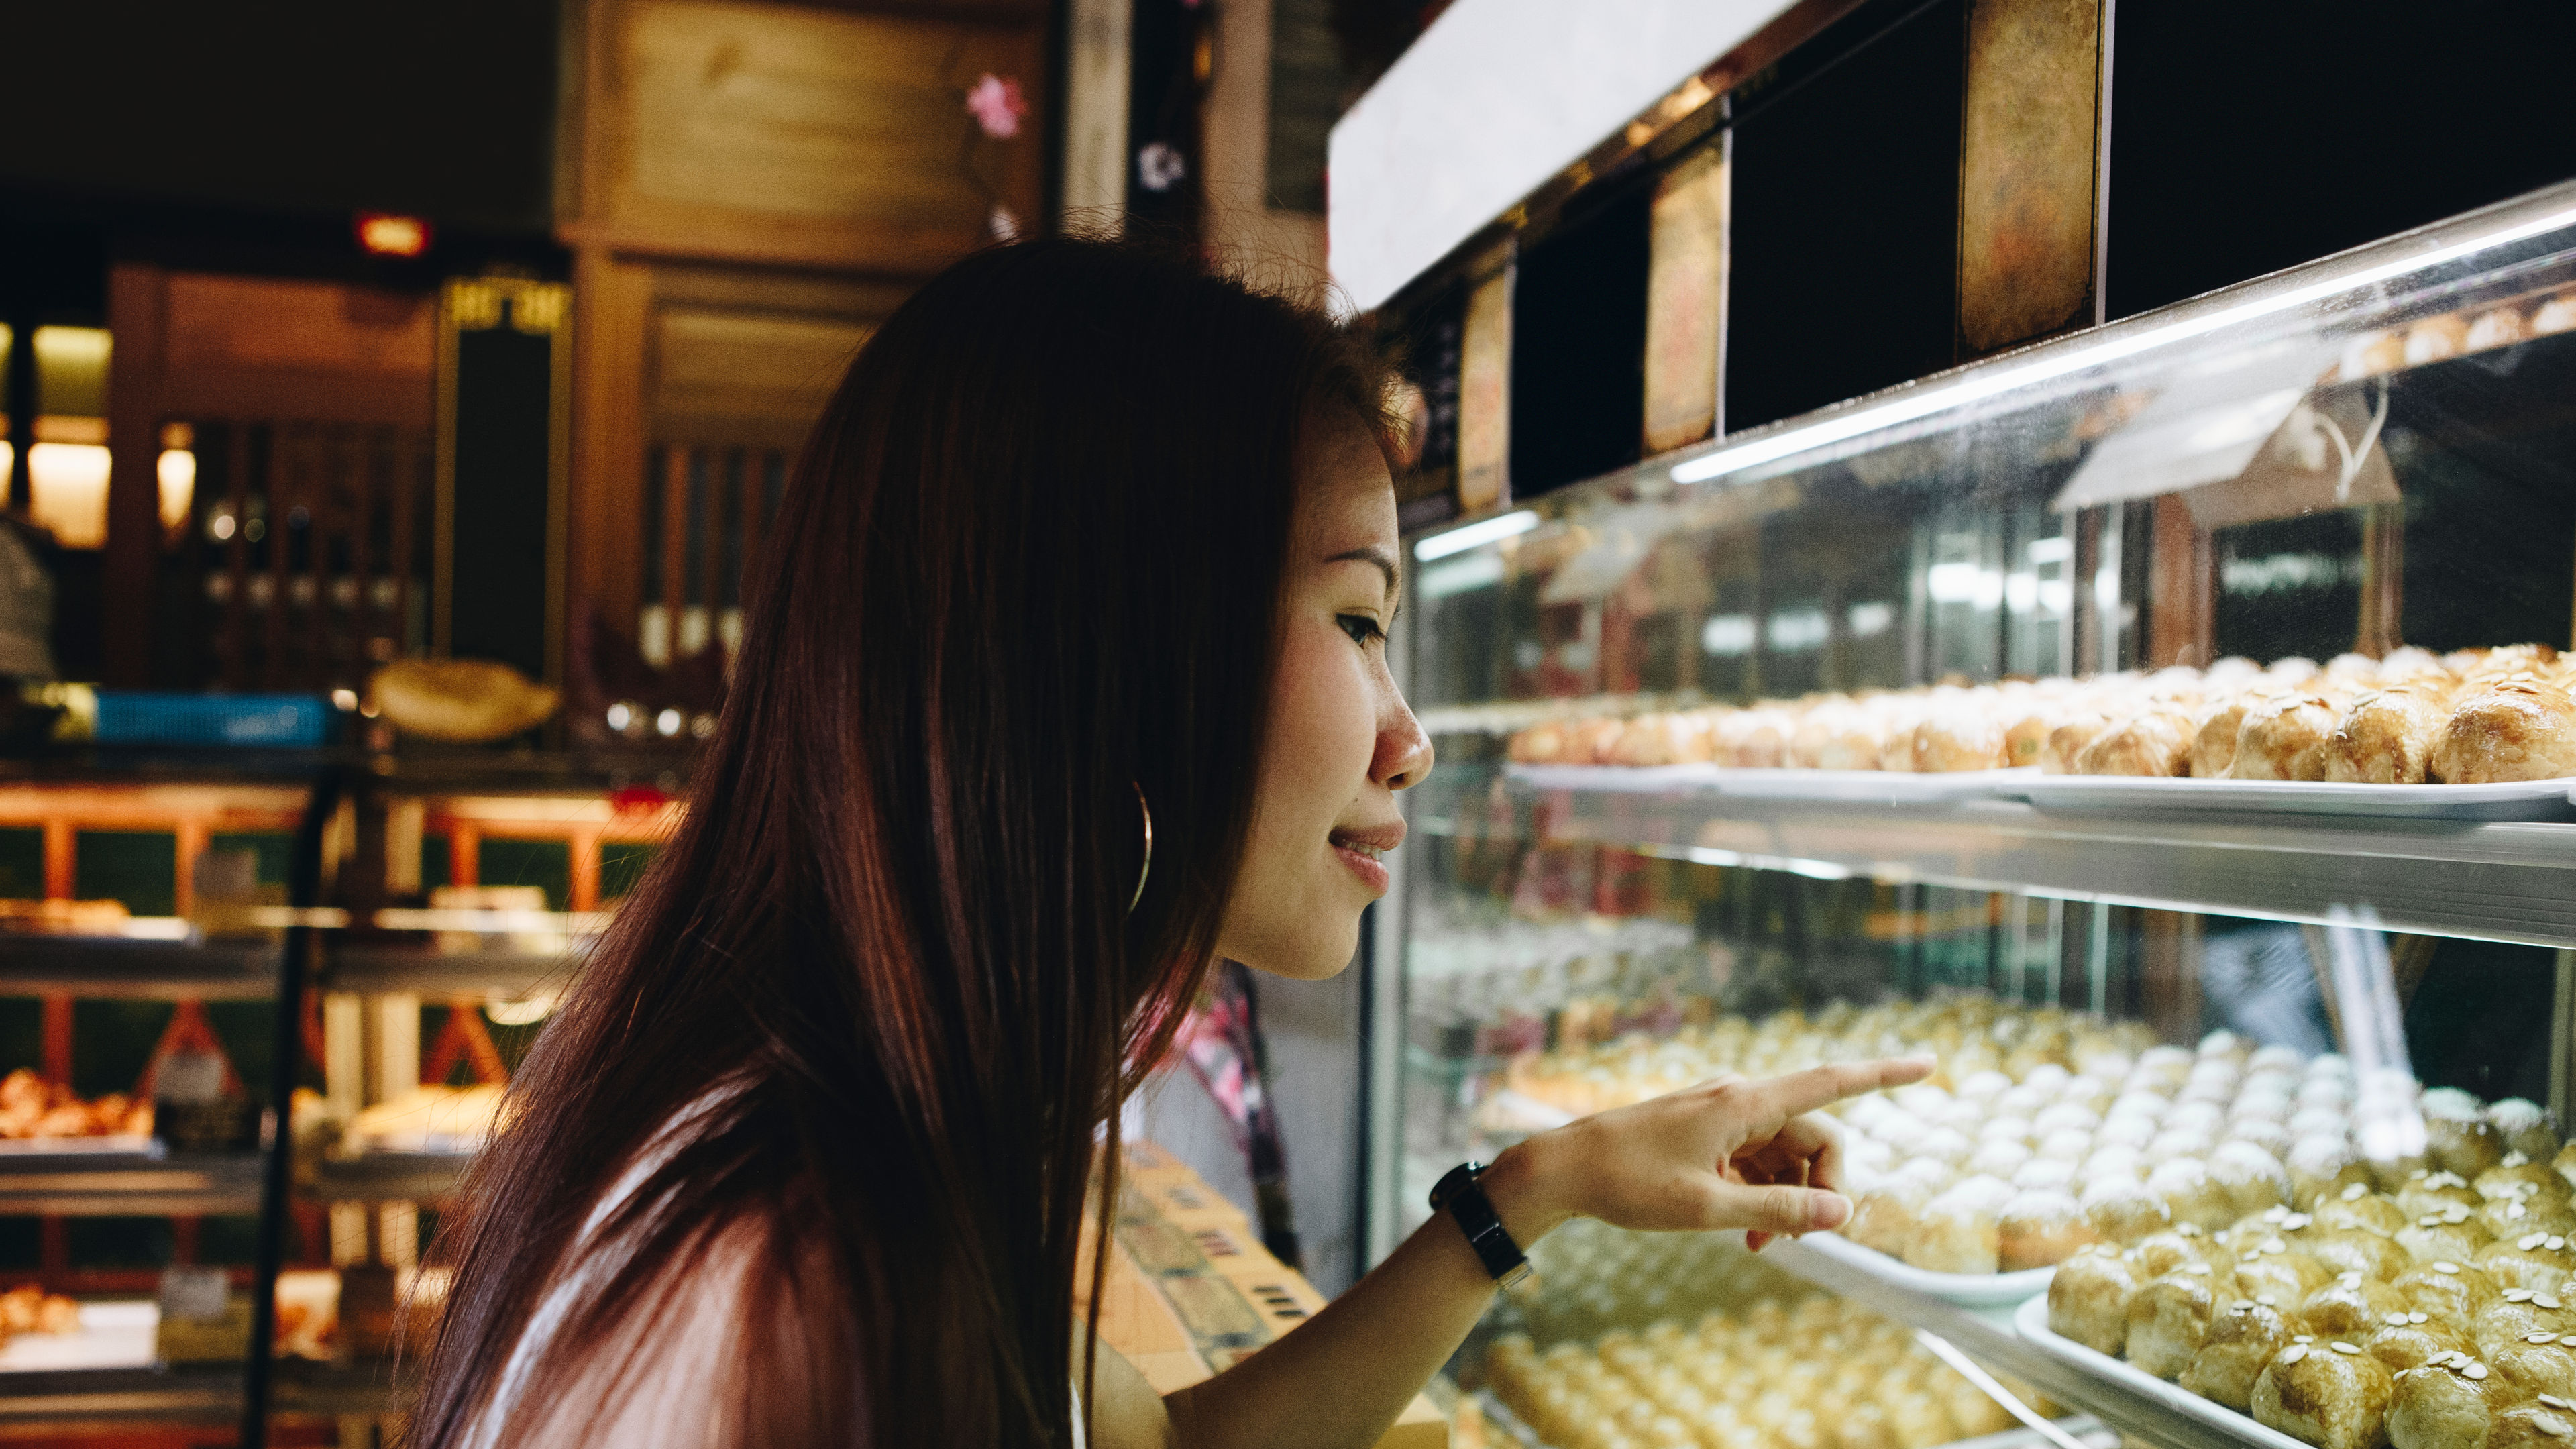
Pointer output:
1028, 567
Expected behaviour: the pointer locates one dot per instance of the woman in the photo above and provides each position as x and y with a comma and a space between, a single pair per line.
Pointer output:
1067, 678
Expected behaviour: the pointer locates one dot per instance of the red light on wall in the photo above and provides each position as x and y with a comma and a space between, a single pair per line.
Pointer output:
387, 235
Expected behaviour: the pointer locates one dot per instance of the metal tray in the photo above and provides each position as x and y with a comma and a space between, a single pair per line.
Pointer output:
1966, 1290
2117, 794
2031, 1322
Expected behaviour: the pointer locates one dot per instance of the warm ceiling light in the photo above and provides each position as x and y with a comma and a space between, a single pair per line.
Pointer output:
69, 481
386, 235
178, 478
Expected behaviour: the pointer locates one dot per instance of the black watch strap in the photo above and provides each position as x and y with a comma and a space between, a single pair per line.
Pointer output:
1463, 1198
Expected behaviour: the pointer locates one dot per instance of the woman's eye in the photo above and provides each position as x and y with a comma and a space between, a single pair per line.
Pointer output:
1360, 627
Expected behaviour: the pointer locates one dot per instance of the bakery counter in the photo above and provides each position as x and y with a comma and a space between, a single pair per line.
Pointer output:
1191, 1291
498, 974
2509, 880
127, 1183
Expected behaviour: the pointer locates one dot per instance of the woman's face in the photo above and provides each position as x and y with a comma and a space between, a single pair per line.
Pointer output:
1341, 741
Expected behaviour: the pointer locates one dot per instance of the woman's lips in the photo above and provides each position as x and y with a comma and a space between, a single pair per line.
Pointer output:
1370, 870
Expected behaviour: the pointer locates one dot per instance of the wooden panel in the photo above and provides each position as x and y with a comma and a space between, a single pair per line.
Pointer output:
138, 315
746, 377
2031, 118
221, 322
743, 131
1686, 301
613, 302
1485, 395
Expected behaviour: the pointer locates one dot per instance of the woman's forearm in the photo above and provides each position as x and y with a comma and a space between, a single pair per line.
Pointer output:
1341, 1378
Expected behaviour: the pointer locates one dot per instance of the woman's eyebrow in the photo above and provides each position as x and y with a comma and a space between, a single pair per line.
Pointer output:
1371, 555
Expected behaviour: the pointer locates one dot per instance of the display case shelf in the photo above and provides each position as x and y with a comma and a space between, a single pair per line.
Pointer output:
389, 1176
496, 974
2496, 881
209, 1393
127, 1184
110, 967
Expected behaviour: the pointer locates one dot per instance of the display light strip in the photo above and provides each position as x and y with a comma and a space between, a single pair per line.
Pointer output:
1475, 535
2055, 362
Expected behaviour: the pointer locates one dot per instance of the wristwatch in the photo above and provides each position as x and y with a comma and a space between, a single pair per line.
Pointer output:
1463, 1198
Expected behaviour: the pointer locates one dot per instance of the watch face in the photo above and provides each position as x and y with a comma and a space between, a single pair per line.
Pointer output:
1452, 1180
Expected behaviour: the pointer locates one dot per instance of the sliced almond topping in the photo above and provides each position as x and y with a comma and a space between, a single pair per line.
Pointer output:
2555, 1402
2455, 1213
2197, 1270
2397, 1320
2517, 1295
2303, 1338
2293, 1354
2444, 1267
2414, 1317
2267, 1300
2275, 1245
2354, 1192
2517, 1159
2555, 1243
2475, 1371
2429, 1220
2340, 1346
2296, 1221
2514, 1210
2567, 1340
2545, 1300
2540, 1338
2529, 1241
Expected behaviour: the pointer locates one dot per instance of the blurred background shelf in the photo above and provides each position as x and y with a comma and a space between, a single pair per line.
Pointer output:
106, 966
192, 1394
127, 1184
390, 1176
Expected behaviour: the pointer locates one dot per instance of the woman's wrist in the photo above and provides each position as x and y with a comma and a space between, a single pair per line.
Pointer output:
1523, 1184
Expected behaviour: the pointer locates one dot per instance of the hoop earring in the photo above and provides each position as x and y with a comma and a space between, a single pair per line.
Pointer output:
1147, 869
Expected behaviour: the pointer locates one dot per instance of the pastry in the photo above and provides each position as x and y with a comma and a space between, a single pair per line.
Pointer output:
2496, 327
2543, 1367
2385, 736
2434, 339
2411, 1339
2371, 354
2250, 1178
2156, 742
2447, 1290
2351, 1306
2436, 1238
2525, 1128
1957, 1232
2329, 1393
2520, 1315
2519, 727
2536, 1425
2444, 1406
2278, 735
1958, 738
2213, 745
2040, 1227
2124, 1212
2241, 1340
2169, 1319
2558, 314
2088, 1299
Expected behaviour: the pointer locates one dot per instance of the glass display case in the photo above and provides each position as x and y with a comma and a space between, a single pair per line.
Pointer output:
2166, 725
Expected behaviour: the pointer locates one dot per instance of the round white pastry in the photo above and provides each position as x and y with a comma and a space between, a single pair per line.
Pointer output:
1998, 1157
2007, 1129
2150, 1105
2275, 1057
2318, 1122
2130, 1132
2067, 1144
2048, 1077
1946, 1144
1984, 1086
2174, 1143
2023, 1101
2196, 1117
2329, 1064
2113, 1164
2263, 1132
2065, 1115
2225, 1043
2053, 1173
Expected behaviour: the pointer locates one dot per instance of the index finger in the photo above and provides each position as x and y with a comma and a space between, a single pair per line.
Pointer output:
1801, 1092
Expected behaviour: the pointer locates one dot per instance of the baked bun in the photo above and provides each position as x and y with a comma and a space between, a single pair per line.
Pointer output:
2385, 737
2517, 728
1957, 1232
2156, 742
2364, 1211
2558, 314
2444, 1406
2124, 1212
2496, 327
2213, 745
2351, 1307
2278, 736
2446, 1290
1958, 737
2525, 1127
2068, 739
2242, 1339
2329, 1393
471, 701
2088, 1299
2169, 1319
2520, 1315
2536, 1425
2546, 1367
2434, 339
2416, 1338
2039, 1228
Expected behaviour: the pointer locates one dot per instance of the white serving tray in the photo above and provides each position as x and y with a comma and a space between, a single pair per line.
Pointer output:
113, 1335
1621, 779
2120, 794
1839, 786
1966, 1290
2031, 1322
